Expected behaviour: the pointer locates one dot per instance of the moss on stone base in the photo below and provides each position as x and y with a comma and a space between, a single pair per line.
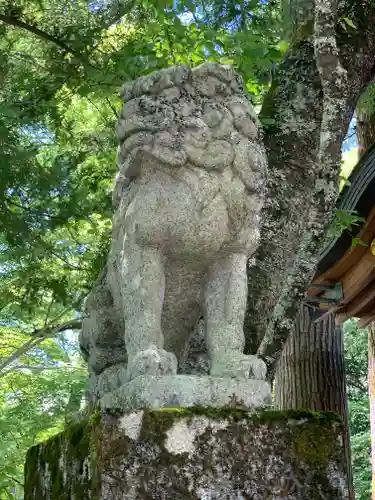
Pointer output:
61, 467
262, 417
69, 465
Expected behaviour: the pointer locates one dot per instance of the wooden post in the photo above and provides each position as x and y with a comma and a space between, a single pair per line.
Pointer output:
311, 372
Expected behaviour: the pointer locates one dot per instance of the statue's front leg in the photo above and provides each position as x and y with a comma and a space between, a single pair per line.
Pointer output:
225, 296
142, 289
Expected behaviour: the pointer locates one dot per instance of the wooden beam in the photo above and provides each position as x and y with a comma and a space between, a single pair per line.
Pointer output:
358, 305
332, 310
366, 320
314, 292
358, 277
329, 311
350, 258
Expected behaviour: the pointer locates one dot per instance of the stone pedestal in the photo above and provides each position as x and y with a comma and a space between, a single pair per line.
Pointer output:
192, 454
185, 391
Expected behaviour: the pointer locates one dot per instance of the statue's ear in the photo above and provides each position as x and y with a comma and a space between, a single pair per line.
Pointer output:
130, 169
136, 159
121, 183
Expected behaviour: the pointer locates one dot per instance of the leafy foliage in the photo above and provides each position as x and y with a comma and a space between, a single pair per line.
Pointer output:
359, 410
344, 220
361, 445
34, 394
367, 99
62, 65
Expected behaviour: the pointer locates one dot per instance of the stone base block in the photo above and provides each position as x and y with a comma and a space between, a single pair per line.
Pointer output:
186, 391
195, 454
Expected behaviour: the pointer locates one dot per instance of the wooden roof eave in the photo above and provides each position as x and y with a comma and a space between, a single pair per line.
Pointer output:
352, 268
351, 258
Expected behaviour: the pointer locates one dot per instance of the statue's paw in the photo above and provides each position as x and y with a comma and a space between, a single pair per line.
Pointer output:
258, 368
108, 380
240, 366
152, 362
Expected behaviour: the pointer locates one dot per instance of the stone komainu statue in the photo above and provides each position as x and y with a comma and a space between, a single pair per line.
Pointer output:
187, 197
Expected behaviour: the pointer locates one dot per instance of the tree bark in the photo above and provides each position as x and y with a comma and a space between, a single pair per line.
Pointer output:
371, 391
310, 373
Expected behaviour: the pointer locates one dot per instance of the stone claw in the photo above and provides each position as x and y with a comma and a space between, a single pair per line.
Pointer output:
258, 368
155, 362
240, 366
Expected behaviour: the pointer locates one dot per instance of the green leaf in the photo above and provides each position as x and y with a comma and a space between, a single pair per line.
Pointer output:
357, 241
268, 121
349, 22
283, 46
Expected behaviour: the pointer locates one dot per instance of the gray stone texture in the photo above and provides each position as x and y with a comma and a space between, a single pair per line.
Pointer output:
192, 455
186, 391
187, 196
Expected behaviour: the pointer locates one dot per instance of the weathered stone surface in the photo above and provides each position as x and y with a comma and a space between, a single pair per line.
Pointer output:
186, 391
194, 454
188, 197
194, 358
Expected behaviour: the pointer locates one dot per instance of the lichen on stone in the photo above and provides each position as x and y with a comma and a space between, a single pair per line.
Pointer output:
191, 454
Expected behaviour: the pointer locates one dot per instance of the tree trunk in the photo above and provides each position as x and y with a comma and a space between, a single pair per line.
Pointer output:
306, 119
371, 391
310, 373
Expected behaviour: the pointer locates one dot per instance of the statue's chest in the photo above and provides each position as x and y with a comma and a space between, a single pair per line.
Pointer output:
208, 187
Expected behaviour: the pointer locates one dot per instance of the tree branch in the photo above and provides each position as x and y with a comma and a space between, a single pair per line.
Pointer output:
52, 330
46, 368
12, 478
112, 108
35, 210
17, 23
38, 336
